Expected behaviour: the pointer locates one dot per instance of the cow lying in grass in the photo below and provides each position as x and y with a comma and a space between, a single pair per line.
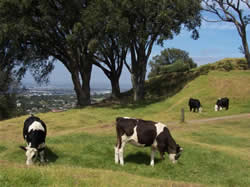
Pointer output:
34, 133
145, 133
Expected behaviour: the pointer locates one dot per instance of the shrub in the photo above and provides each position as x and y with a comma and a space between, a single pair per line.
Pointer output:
178, 66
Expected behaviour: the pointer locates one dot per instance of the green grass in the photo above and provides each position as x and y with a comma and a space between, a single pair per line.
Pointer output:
80, 142
198, 164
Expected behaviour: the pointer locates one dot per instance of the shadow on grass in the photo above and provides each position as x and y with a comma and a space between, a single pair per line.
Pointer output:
140, 158
156, 90
50, 155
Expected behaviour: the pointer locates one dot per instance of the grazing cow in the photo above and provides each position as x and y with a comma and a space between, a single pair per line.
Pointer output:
34, 133
145, 133
195, 105
221, 103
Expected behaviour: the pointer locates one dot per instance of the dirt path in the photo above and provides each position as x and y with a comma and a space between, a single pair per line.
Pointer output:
108, 127
236, 116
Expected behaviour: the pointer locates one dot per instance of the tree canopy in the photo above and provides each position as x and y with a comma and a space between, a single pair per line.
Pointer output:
83, 33
147, 23
54, 30
170, 58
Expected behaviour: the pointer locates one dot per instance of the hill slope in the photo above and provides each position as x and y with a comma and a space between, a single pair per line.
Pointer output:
215, 153
208, 88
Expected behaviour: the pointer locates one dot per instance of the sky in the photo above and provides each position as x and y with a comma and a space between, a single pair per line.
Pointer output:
216, 41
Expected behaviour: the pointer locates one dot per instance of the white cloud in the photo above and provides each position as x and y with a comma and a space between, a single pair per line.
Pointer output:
217, 25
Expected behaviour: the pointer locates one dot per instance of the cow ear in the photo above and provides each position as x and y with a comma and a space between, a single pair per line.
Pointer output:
24, 148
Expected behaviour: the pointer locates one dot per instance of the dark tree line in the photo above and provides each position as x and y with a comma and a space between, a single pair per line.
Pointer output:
110, 34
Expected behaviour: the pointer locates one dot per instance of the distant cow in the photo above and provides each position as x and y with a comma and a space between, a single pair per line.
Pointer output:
145, 133
194, 105
34, 133
222, 103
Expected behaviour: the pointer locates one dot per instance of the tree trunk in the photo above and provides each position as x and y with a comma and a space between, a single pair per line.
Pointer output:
82, 90
138, 90
246, 51
116, 93
138, 80
245, 45
113, 75
247, 55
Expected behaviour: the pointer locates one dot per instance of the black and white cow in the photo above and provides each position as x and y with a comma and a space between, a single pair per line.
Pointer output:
222, 103
145, 133
34, 133
194, 105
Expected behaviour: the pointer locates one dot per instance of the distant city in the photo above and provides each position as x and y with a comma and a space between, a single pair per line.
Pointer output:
56, 98
66, 89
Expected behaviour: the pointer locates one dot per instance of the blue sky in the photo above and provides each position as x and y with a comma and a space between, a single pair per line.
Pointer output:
216, 41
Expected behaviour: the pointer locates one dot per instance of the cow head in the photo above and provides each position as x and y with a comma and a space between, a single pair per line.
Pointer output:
173, 157
216, 108
31, 154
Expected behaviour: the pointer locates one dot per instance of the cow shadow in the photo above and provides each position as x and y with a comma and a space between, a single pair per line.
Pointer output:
140, 158
50, 155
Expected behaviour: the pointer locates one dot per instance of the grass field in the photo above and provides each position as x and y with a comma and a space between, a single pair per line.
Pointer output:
80, 142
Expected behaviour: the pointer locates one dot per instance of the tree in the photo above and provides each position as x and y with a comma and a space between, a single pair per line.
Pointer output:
110, 59
170, 56
110, 51
54, 30
10, 55
232, 11
152, 22
7, 92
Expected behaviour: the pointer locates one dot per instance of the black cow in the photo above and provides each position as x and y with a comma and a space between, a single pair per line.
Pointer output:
222, 103
145, 133
34, 133
194, 105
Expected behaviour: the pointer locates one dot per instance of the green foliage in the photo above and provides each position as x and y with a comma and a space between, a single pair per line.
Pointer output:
178, 66
171, 60
226, 64
175, 76
52, 30
168, 84
144, 23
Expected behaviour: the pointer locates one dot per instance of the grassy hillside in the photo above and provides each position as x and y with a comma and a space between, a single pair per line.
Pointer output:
81, 142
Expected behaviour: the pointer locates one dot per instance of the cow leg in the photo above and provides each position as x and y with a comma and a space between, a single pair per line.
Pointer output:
161, 150
152, 162
120, 151
117, 151
41, 155
117, 147
116, 155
